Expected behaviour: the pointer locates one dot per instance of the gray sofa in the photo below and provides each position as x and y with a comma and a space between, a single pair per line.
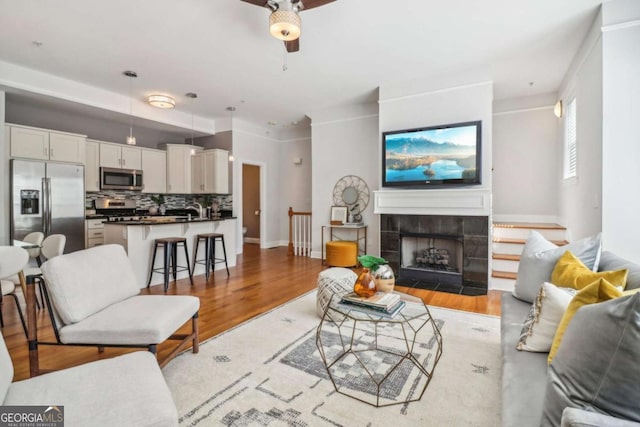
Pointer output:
524, 374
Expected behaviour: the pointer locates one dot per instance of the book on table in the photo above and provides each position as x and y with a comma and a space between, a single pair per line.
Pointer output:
380, 300
377, 311
381, 304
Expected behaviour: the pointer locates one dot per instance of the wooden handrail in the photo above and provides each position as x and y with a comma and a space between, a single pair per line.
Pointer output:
299, 233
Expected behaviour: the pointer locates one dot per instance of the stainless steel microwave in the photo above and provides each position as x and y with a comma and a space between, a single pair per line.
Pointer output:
120, 179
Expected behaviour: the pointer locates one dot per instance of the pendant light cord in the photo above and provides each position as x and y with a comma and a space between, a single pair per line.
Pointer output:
130, 106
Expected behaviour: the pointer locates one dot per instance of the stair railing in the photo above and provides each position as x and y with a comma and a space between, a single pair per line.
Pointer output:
299, 233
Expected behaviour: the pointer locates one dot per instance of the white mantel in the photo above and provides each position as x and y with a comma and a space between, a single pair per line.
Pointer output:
476, 202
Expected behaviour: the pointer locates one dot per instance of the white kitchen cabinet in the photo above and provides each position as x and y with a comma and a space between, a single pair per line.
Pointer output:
197, 173
210, 172
42, 144
217, 172
120, 156
29, 143
65, 147
179, 167
94, 232
92, 166
154, 171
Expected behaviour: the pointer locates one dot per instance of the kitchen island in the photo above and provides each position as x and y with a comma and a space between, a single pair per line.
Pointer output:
137, 238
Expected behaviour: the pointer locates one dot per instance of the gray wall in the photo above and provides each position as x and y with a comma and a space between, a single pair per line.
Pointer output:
30, 114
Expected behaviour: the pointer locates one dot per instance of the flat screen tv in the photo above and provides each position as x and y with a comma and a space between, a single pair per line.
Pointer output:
433, 157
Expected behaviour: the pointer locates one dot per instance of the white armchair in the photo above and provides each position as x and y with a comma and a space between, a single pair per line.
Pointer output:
127, 390
93, 300
12, 260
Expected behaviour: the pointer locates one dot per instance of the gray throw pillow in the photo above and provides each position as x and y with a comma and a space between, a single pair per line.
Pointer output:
539, 257
596, 367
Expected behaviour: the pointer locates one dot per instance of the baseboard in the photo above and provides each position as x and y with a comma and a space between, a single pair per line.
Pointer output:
315, 254
252, 240
526, 218
269, 245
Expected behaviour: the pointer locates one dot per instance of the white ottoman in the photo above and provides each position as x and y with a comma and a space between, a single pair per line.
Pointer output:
333, 281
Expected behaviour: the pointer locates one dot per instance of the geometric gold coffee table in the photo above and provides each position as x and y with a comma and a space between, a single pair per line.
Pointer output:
377, 360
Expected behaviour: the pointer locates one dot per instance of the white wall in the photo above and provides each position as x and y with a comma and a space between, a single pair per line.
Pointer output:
345, 141
580, 199
414, 105
251, 145
525, 161
431, 107
295, 181
621, 130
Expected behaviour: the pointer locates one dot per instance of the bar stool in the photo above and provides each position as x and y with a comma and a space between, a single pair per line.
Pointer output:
209, 259
170, 265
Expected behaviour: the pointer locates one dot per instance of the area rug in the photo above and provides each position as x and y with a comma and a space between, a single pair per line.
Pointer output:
268, 372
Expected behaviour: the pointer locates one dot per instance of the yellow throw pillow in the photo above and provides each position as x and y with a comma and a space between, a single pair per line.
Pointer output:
598, 291
570, 272
630, 292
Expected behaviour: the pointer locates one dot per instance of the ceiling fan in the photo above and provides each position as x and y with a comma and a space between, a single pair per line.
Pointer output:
284, 21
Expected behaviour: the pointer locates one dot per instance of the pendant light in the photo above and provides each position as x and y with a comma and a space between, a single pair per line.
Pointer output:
131, 140
193, 96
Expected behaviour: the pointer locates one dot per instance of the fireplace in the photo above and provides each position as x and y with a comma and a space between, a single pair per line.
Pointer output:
439, 252
431, 257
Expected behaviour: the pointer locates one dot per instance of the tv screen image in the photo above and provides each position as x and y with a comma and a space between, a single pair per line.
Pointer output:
433, 156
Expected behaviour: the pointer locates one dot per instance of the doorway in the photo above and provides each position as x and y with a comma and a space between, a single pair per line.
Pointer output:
251, 203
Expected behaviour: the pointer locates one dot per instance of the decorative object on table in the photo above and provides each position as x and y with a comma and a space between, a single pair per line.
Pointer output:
159, 201
384, 277
381, 271
338, 215
353, 192
207, 204
365, 286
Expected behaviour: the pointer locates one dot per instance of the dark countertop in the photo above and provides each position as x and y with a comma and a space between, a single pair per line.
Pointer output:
177, 221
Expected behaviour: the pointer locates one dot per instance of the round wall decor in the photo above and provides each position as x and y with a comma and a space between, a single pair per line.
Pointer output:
353, 192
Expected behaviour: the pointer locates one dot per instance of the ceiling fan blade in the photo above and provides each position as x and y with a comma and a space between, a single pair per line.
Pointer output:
293, 45
310, 4
262, 3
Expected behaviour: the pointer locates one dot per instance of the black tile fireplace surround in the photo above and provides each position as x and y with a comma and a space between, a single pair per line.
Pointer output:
473, 231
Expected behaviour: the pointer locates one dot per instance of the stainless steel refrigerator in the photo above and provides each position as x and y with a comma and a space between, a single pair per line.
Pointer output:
48, 197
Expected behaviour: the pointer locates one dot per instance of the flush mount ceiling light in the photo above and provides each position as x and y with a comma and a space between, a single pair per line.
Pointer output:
161, 101
131, 140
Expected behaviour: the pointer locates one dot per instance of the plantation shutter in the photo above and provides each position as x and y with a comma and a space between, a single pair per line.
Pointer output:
570, 141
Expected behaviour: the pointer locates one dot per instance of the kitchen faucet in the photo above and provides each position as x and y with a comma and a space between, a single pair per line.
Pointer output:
196, 206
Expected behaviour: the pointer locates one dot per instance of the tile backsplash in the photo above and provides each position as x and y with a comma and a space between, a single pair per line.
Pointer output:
172, 201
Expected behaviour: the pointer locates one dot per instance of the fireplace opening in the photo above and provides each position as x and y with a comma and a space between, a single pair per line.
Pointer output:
432, 257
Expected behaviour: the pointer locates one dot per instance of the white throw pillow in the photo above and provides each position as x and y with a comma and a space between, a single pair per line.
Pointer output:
545, 315
539, 257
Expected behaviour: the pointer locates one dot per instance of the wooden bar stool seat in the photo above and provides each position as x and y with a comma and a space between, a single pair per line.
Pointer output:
170, 264
209, 261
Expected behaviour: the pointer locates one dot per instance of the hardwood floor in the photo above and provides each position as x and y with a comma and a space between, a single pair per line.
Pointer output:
262, 280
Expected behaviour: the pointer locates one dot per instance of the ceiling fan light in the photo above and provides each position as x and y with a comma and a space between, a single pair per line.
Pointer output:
161, 101
131, 140
285, 25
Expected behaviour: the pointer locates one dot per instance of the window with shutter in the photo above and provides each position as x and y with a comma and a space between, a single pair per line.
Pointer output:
570, 141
